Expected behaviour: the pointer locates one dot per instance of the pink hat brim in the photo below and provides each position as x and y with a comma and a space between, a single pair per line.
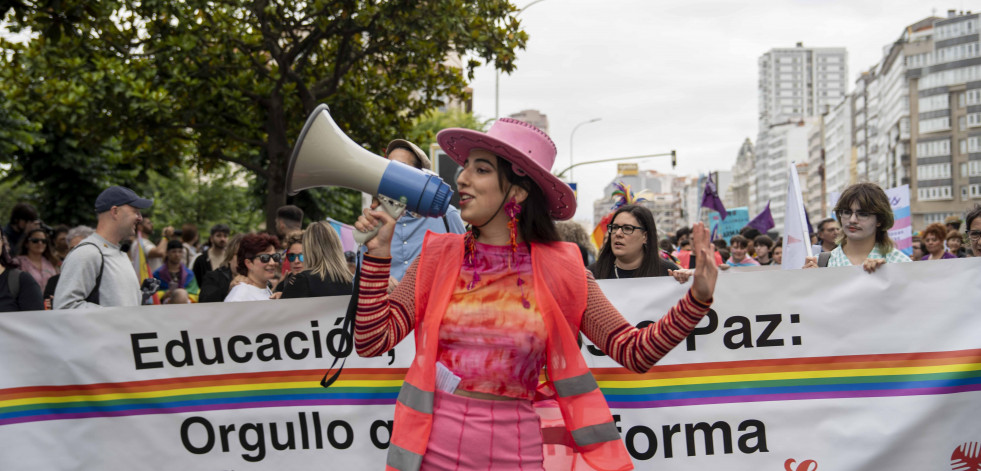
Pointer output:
458, 142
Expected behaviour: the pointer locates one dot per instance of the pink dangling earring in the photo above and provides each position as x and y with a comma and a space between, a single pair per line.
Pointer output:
512, 209
470, 248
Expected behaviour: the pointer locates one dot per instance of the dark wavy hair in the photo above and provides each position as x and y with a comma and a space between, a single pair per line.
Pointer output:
6, 260
871, 198
252, 245
651, 264
534, 222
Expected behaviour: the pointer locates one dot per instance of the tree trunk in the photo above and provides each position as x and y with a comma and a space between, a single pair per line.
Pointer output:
277, 145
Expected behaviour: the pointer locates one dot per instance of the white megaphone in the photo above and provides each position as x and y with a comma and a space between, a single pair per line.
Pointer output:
325, 156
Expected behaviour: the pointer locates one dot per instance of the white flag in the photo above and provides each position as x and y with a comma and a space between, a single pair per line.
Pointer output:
796, 240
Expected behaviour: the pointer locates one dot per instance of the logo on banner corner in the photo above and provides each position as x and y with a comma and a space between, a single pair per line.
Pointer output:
966, 457
806, 465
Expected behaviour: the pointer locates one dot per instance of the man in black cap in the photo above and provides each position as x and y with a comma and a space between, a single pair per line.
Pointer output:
96, 273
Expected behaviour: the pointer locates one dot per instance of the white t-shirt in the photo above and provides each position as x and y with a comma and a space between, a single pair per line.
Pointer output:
247, 292
155, 262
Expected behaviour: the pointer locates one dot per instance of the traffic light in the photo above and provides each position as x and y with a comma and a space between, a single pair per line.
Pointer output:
674, 159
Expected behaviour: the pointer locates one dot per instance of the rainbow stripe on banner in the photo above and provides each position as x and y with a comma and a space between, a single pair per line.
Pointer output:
861, 376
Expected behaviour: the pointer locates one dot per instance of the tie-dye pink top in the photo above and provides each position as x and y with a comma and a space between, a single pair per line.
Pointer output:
494, 353
508, 340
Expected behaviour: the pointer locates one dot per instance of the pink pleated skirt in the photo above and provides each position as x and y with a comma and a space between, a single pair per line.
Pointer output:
481, 434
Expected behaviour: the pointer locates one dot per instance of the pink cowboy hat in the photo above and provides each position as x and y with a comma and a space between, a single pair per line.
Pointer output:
530, 151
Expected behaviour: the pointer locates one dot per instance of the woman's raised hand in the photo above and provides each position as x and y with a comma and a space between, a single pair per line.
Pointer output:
703, 287
371, 218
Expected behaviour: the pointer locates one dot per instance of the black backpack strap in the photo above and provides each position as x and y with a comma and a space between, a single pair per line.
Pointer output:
446, 224
93, 297
823, 258
13, 283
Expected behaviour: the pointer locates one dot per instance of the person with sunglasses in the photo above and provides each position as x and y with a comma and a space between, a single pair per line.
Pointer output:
631, 249
18, 290
325, 270
258, 263
294, 261
866, 218
974, 230
36, 256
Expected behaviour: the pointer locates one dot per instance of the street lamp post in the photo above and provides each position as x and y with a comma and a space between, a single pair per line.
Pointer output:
497, 73
571, 136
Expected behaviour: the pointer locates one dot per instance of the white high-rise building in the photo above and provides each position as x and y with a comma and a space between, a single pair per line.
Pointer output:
795, 86
796, 83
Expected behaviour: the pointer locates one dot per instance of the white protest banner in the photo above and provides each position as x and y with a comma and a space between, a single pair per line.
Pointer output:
828, 367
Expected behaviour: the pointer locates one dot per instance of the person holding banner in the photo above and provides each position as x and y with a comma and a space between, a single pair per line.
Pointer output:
492, 307
866, 218
631, 250
258, 262
974, 230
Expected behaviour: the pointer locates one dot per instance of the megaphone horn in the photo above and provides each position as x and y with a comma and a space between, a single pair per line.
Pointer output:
325, 156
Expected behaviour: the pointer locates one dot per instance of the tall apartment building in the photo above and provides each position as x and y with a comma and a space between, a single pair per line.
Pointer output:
945, 119
667, 196
795, 85
742, 192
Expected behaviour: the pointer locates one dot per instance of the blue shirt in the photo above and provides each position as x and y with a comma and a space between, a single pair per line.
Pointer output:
409, 233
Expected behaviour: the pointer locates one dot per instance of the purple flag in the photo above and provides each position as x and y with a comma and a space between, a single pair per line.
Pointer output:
711, 200
763, 221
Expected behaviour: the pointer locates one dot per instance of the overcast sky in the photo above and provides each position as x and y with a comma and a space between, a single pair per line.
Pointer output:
673, 75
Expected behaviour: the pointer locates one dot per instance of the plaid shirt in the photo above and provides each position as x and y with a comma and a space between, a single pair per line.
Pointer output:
838, 258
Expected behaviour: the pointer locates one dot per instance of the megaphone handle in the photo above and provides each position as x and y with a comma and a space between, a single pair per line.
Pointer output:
392, 207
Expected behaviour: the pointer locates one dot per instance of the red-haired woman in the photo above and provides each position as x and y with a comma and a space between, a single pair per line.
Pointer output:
933, 237
258, 261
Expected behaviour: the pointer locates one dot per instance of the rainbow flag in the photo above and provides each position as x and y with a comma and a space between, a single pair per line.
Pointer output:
791, 379
138, 257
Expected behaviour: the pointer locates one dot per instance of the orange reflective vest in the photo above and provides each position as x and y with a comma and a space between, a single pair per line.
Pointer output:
560, 292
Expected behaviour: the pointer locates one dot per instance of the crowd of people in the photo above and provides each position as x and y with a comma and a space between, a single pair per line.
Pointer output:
311, 262
492, 301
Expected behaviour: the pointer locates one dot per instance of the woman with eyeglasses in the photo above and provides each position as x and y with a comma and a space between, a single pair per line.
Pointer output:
326, 272
974, 230
866, 217
36, 256
631, 249
258, 263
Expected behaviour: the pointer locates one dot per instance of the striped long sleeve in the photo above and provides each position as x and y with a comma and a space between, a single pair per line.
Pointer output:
638, 349
383, 319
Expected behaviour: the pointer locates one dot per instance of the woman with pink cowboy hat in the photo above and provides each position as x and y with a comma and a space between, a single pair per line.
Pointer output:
491, 308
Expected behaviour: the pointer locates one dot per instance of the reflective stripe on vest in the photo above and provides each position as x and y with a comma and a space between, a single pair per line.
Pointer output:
559, 282
576, 385
593, 434
416, 398
403, 460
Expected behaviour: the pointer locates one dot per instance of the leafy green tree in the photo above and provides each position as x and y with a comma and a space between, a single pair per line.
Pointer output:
154, 82
425, 127
189, 196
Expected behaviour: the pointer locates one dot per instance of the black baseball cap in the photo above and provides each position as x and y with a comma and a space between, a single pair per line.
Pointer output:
118, 196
